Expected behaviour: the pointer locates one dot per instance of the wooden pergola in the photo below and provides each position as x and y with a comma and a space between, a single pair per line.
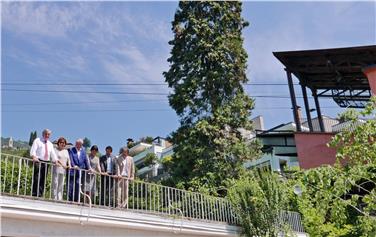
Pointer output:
334, 73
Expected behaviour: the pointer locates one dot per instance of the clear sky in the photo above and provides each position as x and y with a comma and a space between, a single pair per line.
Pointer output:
127, 42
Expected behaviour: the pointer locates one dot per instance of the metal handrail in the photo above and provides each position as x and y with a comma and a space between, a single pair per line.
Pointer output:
17, 178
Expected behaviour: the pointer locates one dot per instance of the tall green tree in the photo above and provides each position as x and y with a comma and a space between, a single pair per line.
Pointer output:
207, 73
33, 135
87, 142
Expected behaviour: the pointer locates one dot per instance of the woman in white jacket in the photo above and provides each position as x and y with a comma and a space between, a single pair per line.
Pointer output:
59, 170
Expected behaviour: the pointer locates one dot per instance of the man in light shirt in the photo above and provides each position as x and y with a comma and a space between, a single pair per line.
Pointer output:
42, 152
125, 173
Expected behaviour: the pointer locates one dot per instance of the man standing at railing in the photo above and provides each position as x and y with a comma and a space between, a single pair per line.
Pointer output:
42, 151
125, 172
79, 162
107, 191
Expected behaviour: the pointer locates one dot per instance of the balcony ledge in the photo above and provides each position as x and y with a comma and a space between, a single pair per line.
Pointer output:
50, 219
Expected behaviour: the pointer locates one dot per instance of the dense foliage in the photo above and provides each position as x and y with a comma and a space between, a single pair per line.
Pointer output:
337, 201
207, 72
259, 198
150, 159
356, 145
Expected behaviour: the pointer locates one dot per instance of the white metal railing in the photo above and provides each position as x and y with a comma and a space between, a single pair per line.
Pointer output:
18, 177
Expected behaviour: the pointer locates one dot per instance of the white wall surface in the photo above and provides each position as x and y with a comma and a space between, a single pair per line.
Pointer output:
25, 217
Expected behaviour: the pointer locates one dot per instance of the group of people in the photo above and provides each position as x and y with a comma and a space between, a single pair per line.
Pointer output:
81, 168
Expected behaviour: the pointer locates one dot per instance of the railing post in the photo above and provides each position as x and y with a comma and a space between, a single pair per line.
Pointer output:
168, 200
27, 171
19, 176
11, 180
202, 206
5, 173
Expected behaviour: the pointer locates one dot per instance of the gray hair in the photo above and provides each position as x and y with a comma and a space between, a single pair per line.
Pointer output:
80, 141
46, 131
124, 148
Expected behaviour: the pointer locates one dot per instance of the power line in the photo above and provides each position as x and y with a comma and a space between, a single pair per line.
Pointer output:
84, 111
80, 84
322, 107
84, 102
118, 84
130, 93
90, 92
138, 110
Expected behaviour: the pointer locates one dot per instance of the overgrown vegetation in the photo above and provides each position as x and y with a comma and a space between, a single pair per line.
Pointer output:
259, 198
337, 200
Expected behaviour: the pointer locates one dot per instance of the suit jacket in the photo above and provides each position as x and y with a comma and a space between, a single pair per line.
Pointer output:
80, 161
130, 166
103, 163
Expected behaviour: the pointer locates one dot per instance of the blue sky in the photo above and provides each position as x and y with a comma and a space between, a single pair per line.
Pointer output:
126, 42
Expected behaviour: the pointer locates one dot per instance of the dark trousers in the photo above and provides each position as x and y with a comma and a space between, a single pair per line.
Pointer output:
39, 178
107, 190
74, 185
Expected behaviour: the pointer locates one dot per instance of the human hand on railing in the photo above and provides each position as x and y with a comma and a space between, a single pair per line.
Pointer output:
35, 159
76, 167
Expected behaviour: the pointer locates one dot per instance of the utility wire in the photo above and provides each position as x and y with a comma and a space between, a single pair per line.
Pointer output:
85, 102
84, 111
117, 84
89, 92
130, 93
140, 110
80, 84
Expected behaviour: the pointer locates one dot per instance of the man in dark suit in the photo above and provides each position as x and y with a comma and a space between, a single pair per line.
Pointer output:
107, 163
79, 162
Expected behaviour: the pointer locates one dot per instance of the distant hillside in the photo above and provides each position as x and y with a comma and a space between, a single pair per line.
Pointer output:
16, 143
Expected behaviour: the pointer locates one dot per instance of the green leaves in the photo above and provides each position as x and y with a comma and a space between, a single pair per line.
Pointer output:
356, 145
150, 159
259, 197
337, 201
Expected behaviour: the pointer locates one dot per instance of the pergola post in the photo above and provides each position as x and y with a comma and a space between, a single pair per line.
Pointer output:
293, 101
319, 116
306, 106
370, 72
